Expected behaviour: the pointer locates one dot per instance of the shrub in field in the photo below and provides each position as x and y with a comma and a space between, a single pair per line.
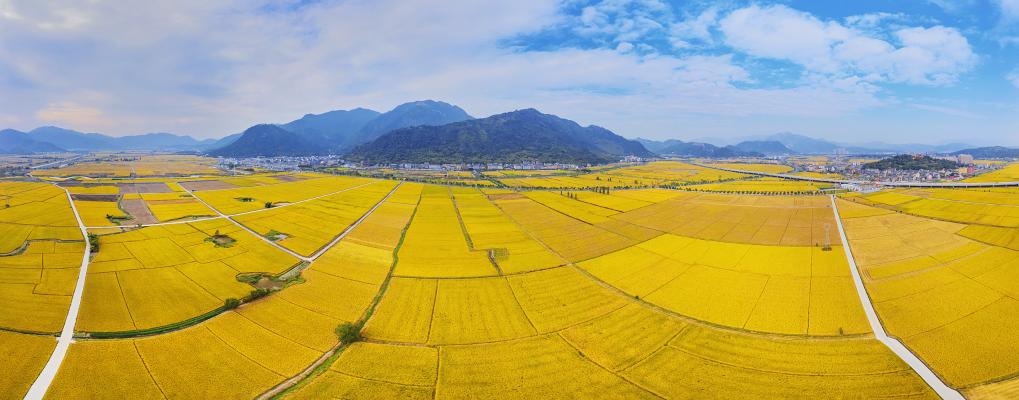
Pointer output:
348, 332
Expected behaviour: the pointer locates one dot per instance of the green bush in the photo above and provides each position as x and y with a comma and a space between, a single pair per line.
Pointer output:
231, 303
348, 332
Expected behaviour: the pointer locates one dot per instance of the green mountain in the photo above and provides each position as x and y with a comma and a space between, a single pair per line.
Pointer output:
695, 149
911, 162
334, 129
425, 112
524, 135
268, 141
766, 147
990, 152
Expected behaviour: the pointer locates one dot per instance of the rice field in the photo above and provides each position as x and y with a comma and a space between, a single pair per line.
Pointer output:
634, 291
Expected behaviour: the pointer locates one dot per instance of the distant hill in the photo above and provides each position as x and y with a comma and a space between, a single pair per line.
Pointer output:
523, 135
990, 152
72, 140
337, 129
910, 162
804, 144
425, 112
655, 145
694, 149
79, 141
269, 141
766, 147
17, 142
160, 141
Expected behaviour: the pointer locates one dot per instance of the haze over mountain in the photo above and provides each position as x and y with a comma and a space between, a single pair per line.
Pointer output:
338, 129
78, 141
523, 135
675, 147
17, 142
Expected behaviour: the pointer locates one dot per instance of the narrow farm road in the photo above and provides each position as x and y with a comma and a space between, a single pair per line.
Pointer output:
45, 378
894, 344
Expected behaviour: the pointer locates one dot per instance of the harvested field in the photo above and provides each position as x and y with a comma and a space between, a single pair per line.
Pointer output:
139, 211
207, 185
144, 187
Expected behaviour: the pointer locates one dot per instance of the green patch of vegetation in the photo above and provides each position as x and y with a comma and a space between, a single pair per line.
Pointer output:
117, 219
269, 204
349, 332
93, 242
912, 163
275, 235
221, 240
231, 303
244, 199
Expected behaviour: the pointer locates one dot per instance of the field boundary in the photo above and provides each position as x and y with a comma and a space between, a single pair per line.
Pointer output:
907, 356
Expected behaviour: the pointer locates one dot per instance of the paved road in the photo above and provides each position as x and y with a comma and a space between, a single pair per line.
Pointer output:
957, 185
879, 331
42, 382
41, 166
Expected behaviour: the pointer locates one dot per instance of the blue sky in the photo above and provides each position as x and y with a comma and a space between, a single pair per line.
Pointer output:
929, 71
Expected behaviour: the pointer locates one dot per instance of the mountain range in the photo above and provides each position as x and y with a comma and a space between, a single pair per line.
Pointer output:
339, 131
522, 135
801, 144
357, 130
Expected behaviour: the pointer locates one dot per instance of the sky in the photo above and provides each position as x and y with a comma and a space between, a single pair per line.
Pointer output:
923, 71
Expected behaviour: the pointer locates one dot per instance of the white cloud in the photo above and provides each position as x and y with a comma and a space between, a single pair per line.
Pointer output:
1013, 77
696, 28
73, 114
932, 56
1009, 8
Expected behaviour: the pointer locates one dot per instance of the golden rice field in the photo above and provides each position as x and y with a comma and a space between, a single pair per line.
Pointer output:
456, 292
763, 186
132, 165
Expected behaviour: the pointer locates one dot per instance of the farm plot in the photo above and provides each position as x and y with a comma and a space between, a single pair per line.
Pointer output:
160, 275
171, 206
34, 211
307, 227
512, 249
765, 220
24, 357
436, 244
572, 239
972, 207
775, 289
36, 285
233, 201
631, 352
41, 249
762, 185
242, 353
950, 299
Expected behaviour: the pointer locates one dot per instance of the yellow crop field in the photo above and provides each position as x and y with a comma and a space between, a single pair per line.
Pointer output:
1008, 173
544, 366
136, 165
509, 246
24, 357
768, 168
791, 290
243, 199
737, 365
762, 185
946, 296
436, 244
160, 275
570, 238
36, 285
767, 220
557, 298
303, 225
